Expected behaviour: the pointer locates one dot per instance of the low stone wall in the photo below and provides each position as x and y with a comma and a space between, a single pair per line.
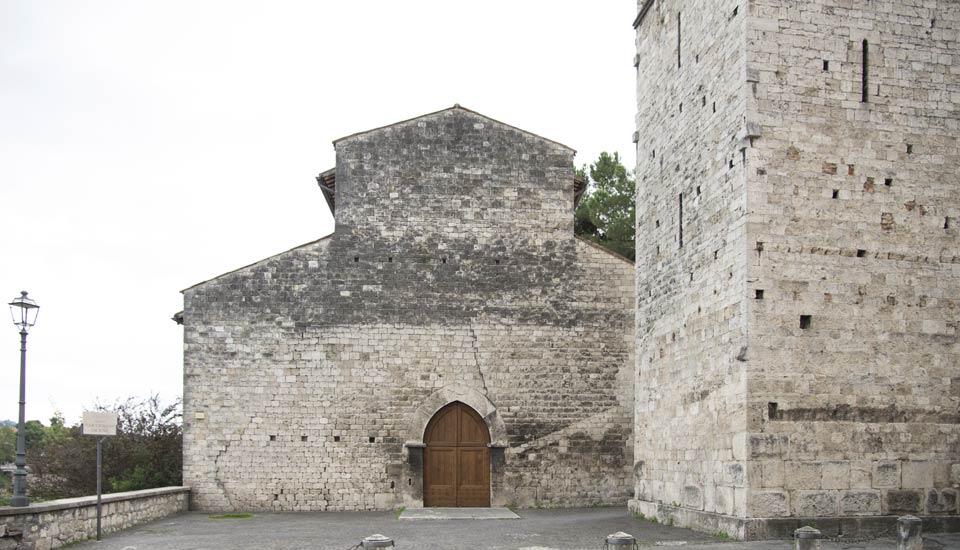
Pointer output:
55, 523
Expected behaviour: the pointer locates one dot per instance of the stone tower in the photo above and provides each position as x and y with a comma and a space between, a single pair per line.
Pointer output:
798, 261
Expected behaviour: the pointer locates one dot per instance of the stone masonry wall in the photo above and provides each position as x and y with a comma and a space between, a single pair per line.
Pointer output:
57, 523
842, 299
853, 207
453, 271
691, 260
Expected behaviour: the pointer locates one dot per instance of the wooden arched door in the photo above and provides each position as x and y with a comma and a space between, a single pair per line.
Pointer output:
456, 462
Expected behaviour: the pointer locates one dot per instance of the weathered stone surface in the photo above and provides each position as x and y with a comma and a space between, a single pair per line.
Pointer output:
816, 503
768, 504
941, 501
903, 502
783, 212
693, 497
860, 503
917, 475
453, 274
886, 475
836, 475
803, 475
772, 472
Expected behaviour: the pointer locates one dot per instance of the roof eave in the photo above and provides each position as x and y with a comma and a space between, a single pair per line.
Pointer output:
460, 107
304, 245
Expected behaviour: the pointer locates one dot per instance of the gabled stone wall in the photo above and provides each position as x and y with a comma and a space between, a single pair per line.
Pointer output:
453, 271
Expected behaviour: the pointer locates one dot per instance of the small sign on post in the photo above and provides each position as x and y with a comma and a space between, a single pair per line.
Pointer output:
101, 424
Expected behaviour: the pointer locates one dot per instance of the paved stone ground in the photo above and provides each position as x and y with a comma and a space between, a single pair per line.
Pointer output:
568, 529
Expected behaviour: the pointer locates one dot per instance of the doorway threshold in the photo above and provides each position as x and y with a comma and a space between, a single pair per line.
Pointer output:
458, 513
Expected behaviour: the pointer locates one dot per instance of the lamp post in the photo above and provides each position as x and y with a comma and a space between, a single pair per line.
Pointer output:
24, 312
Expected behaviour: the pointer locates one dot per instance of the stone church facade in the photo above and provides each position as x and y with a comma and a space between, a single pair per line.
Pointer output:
797, 290
798, 265
321, 378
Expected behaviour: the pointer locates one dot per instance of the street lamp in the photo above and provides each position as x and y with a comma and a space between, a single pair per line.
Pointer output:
24, 312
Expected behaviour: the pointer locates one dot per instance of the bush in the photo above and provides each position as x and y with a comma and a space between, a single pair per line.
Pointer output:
145, 453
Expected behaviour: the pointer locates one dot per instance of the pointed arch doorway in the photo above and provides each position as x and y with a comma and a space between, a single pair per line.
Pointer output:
456, 461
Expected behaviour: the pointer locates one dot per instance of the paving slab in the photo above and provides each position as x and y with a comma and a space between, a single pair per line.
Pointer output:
457, 513
567, 529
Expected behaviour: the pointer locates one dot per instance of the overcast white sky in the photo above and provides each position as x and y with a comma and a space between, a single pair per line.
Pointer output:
147, 146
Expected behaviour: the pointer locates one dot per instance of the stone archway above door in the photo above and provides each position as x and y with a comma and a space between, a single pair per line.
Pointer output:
468, 395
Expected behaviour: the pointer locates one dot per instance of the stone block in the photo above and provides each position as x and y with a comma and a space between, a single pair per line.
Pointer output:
955, 475
816, 503
768, 504
942, 474
836, 475
772, 473
942, 501
903, 502
739, 502
886, 475
918, 475
724, 500
802, 475
861, 474
733, 474
709, 498
672, 493
860, 503
693, 497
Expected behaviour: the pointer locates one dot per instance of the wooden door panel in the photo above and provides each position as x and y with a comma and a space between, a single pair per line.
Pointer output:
473, 473
440, 476
456, 465
444, 427
473, 430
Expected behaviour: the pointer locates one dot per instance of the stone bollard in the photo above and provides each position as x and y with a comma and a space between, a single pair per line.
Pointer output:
807, 538
909, 533
620, 541
377, 541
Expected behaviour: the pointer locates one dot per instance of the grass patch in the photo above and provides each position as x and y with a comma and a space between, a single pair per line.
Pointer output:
399, 511
231, 516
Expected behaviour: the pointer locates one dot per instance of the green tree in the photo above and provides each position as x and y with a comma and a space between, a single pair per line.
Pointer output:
34, 435
8, 444
606, 214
